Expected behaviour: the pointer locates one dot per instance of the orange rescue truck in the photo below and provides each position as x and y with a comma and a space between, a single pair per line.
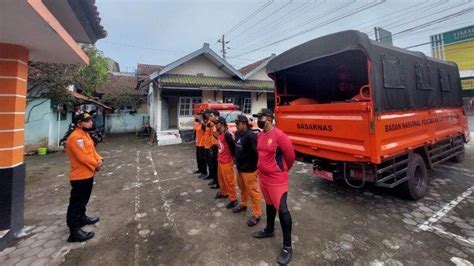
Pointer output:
362, 111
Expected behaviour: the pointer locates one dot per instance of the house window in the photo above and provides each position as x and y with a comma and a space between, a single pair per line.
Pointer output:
247, 108
186, 105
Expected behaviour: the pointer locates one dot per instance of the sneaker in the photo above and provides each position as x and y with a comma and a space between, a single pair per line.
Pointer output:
197, 172
239, 208
214, 186
207, 177
253, 221
285, 255
263, 234
232, 204
220, 195
202, 175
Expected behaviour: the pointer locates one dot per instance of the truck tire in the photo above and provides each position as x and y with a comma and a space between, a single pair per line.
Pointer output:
458, 158
417, 184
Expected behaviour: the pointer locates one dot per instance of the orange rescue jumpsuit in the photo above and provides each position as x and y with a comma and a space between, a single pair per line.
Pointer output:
82, 154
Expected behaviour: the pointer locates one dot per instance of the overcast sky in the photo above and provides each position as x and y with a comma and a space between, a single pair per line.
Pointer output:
159, 31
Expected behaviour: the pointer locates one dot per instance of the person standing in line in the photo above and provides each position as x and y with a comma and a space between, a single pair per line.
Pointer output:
85, 161
214, 115
207, 142
226, 151
275, 159
210, 145
246, 163
200, 152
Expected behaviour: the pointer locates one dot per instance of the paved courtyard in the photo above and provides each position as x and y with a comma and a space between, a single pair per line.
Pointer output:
155, 211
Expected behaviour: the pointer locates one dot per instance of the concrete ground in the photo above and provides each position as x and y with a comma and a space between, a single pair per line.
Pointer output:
155, 211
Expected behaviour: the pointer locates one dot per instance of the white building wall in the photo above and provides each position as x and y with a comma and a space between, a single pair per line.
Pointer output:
261, 75
151, 105
185, 122
155, 108
209, 96
200, 65
257, 105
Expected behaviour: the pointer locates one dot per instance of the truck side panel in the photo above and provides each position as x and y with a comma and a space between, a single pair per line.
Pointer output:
398, 132
336, 131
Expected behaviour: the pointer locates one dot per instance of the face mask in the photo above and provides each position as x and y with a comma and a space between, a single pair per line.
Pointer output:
261, 124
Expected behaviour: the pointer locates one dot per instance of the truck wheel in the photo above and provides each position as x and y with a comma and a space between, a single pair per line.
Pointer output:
458, 158
417, 183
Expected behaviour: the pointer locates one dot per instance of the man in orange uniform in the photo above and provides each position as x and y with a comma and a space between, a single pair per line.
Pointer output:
200, 152
225, 167
246, 161
210, 144
85, 161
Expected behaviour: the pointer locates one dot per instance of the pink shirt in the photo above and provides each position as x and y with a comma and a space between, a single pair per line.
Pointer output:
275, 157
224, 153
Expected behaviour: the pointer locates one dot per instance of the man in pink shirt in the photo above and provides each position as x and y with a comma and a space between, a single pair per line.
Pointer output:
275, 158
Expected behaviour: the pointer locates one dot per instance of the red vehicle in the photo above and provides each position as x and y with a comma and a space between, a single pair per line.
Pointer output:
361, 111
229, 111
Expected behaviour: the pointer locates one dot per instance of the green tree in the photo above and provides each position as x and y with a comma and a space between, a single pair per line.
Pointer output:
56, 77
94, 75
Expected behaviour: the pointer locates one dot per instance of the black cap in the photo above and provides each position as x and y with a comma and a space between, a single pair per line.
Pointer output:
220, 120
241, 118
264, 112
82, 117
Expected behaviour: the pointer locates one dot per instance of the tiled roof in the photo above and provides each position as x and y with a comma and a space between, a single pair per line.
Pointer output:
119, 83
203, 82
95, 18
145, 70
247, 69
83, 98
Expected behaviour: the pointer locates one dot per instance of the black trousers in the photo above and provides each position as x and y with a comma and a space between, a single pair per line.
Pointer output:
80, 194
286, 221
212, 162
201, 160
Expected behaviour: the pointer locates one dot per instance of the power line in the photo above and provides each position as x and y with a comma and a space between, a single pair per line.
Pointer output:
429, 15
311, 20
140, 47
356, 11
246, 19
278, 21
435, 21
408, 15
404, 10
264, 18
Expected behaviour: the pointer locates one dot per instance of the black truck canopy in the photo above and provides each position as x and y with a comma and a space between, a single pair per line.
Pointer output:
401, 79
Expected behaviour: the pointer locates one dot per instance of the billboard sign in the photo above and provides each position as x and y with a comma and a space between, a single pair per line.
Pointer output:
459, 35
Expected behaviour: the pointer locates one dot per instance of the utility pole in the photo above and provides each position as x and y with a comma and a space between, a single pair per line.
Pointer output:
224, 48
